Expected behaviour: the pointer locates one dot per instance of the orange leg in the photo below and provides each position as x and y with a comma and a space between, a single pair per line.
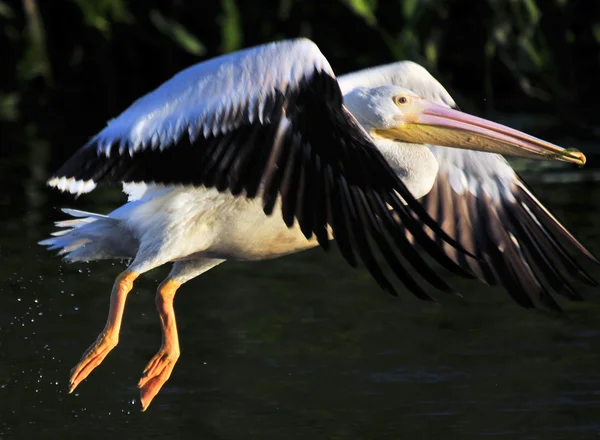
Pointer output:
109, 337
159, 368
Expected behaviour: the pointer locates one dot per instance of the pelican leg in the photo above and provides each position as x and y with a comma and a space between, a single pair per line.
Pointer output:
109, 337
159, 369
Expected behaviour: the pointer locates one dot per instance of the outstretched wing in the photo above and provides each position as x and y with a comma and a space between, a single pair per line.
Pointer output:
267, 121
480, 201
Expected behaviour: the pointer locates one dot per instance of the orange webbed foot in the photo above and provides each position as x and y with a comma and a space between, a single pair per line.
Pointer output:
155, 375
109, 338
92, 357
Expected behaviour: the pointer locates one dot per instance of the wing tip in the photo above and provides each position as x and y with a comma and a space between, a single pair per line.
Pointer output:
72, 185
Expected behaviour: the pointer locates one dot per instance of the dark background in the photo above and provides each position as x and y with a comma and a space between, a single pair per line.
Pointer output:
303, 346
69, 65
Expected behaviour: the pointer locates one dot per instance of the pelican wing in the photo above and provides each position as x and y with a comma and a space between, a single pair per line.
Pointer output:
482, 203
266, 121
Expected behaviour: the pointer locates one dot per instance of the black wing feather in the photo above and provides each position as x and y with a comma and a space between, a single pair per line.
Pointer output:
518, 244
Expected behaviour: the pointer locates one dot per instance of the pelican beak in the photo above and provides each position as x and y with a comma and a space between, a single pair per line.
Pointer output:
423, 122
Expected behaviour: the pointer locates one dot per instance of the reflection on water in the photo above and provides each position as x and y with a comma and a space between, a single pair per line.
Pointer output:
300, 347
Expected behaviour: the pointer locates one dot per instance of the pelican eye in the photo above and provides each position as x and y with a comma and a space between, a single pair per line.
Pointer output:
401, 100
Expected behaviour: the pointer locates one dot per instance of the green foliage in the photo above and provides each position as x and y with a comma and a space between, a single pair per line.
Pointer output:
231, 27
596, 32
6, 11
177, 32
35, 60
518, 41
100, 14
9, 110
529, 39
365, 9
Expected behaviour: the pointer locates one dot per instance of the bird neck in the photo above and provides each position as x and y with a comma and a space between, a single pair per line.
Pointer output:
415, 164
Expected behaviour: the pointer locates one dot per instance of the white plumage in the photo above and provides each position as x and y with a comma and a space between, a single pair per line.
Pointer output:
252, 155
197, 100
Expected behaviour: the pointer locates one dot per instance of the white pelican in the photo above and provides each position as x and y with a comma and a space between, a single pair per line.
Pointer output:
213, 156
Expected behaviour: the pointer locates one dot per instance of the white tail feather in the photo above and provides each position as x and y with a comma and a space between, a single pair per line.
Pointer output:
79, 214
91, 236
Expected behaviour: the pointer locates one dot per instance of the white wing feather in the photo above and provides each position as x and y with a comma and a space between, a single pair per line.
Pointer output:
476, 171
196, 98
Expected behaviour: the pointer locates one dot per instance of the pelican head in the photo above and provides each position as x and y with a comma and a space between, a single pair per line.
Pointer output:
398, 114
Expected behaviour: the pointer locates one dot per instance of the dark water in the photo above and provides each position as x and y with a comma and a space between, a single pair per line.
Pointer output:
296, 348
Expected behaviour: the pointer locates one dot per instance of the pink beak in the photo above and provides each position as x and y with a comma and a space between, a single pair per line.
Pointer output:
438, 125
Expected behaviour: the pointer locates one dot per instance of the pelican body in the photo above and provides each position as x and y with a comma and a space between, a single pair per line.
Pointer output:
264, 152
